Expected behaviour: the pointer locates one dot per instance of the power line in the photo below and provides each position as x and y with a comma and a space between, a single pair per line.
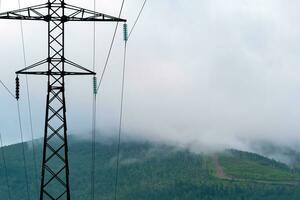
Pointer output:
94, 40
137, 19
94, 106
96, 89
29, 104
6, 88
23, 151
121, 112
123, 83
112, 42
5, 166
93, 147
126, 38
111, 46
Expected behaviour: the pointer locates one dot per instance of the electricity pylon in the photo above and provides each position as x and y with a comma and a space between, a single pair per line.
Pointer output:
55, 166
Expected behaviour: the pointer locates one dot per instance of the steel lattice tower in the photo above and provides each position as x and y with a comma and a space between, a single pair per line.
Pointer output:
55, 167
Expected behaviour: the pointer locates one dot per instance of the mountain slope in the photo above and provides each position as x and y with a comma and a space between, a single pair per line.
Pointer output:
152, 172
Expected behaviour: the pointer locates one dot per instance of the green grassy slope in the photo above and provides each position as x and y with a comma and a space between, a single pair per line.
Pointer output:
157, 172
249, 166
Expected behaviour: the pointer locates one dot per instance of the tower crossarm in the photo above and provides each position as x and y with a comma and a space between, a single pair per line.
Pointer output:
75, 69
72, 13
37, 12
80, 14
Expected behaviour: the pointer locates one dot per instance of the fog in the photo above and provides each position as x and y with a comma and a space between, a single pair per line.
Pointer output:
207, 74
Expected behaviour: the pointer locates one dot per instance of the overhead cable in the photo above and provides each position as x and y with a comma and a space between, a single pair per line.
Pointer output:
6, 88
110, 48
121, 111
137, 19
129, 36
29, 106
94, 107
23, 152
5, 167
94, 111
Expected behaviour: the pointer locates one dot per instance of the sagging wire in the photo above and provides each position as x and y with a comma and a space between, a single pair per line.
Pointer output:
126, 38
110, 48
137, 19
112, 42
29, 106
5, 87
8, 90
22, 137
96, 88
5, 167
125, 34
94, 112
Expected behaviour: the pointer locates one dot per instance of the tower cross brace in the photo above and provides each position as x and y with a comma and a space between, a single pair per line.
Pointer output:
55, 183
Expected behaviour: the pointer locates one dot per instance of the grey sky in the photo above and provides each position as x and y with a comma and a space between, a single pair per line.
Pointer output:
207, 73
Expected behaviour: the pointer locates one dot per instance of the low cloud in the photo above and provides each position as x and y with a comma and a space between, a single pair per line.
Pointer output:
204, 74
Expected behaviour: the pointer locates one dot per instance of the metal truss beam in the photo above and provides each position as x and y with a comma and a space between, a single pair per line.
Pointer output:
72, 13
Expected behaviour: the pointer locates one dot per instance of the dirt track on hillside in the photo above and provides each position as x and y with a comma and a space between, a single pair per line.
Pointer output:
218, 168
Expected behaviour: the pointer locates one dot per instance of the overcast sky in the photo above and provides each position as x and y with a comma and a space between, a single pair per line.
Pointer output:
203, 73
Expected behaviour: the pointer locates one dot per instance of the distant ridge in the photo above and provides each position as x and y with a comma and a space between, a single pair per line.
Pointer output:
160, 172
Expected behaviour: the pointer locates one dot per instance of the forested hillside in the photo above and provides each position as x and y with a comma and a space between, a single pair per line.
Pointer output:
152, 172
